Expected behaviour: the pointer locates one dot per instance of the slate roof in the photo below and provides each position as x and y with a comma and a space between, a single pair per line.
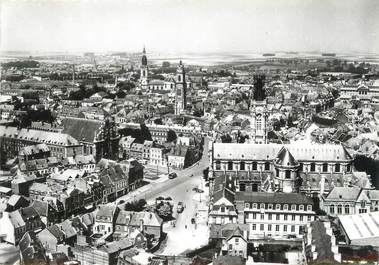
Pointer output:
82, 129
56, 231
285, 158
344, 193
16, 219
41, 207
67, 228
275, 197
31, 249
317, 152
223, 193
34, 149
38, 136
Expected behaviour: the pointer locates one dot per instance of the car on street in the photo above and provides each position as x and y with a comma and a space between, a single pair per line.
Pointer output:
180, 207
197, 190
172, 175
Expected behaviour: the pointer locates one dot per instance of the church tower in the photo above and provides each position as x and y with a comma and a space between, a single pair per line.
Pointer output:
181, 89
144, 70
259, 111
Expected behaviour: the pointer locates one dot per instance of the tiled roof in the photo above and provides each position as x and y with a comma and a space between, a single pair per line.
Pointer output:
285, 158
344, 193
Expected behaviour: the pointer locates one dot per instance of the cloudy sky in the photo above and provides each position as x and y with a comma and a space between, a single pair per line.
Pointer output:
190, 25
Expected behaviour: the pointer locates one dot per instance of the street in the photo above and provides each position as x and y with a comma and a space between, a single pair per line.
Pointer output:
157, 188
180, 189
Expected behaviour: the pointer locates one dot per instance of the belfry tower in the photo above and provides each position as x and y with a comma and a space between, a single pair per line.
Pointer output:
181, 90
144, 70
259, 111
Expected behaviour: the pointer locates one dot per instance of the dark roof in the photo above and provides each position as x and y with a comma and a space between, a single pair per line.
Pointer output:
224, 193
275, 197
32, 249
56, 231
28, 212
41, 207
285, 158
81, 129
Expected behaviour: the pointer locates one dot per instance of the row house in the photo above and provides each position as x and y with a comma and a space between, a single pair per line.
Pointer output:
274, 214
13, 225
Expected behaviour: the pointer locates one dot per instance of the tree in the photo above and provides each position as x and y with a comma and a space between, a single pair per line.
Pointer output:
171, 136
165, 64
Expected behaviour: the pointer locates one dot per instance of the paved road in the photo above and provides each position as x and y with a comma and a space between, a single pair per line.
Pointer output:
152, 190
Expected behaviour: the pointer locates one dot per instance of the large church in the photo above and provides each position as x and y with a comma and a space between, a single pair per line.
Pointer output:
178, 86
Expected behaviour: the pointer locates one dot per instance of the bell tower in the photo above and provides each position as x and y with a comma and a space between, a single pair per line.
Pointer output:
259, 111
180, 89
144, 70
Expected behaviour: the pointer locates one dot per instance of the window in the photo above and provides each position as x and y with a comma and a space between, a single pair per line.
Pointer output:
230, 246
313, 167
301, 207
222, 209
262, 216
254, 227
309, 208
254, 216
293, 207
285, 207
269, 227
288, 174
242, 166
292, 228
267, 166
325, 167
247, 205
278, 217
337, 168
293, 217
269, 216
262, 227
301, 167
348, 168
285, 228
255, 206
230, 165
262, 206
237, 241
277, 173
254, 165
347, 209
309, 218
277, 228
285, 217
270, 206
277, 206
339, 209
218, 165
363, 204
331, 209
301, 218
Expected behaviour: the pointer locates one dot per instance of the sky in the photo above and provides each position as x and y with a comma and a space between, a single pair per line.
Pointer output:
190, 26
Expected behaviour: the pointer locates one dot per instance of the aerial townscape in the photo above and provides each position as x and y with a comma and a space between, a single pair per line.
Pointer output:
147, 158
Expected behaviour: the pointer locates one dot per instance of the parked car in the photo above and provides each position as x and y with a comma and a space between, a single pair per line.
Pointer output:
193, 221
172, 175
197, 190
180, 207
